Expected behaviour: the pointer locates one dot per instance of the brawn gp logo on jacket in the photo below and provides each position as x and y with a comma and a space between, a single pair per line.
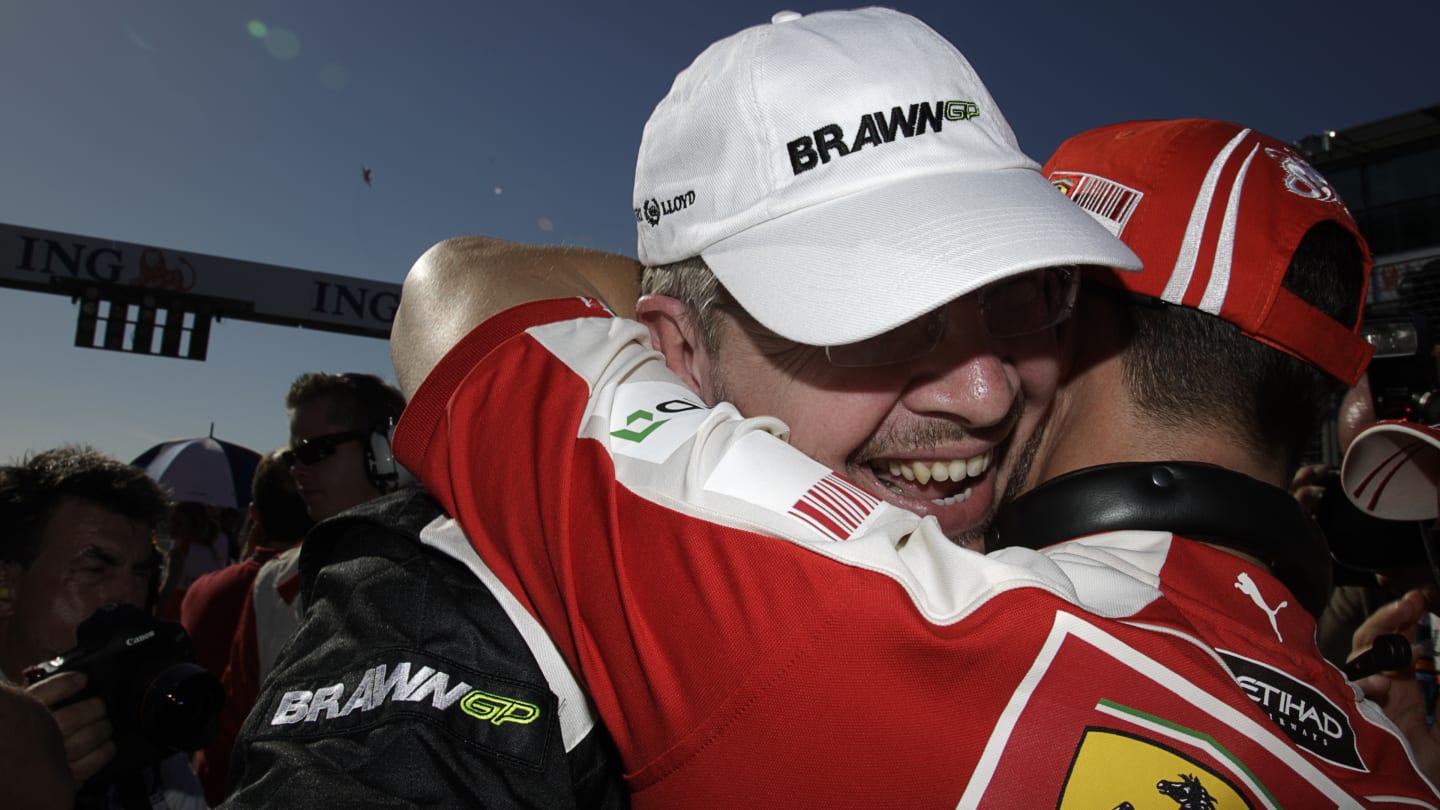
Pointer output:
407, 683
514, 718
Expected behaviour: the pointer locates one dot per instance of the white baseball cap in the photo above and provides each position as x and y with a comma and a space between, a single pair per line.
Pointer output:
845, 172
1392, 470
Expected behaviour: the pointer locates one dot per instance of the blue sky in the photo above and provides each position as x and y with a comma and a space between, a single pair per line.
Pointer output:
239, 129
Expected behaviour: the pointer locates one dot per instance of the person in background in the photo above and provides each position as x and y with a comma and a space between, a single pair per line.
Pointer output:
218, 606
197, 547
339, 457
1391, 471
339, 438
277, 520
398, 597
79, 535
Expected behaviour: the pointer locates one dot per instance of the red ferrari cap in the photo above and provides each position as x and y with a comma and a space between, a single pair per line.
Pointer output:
1215, 211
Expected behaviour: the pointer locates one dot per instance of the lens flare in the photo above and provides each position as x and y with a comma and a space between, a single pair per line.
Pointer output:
283, 44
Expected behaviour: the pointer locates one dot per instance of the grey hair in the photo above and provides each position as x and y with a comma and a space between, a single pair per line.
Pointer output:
693, 283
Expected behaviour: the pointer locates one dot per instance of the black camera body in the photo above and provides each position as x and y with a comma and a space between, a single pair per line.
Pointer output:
1361, 542
158, 700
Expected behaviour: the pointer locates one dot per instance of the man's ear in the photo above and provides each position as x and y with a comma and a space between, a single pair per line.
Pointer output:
10, 574
675, 334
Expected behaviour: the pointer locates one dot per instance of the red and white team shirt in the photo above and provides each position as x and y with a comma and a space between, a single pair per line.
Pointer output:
756, 631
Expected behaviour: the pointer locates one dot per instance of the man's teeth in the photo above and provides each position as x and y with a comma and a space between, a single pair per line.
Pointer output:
953, 499
923, 472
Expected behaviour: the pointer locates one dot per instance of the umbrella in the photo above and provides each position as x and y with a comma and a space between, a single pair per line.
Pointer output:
203, 469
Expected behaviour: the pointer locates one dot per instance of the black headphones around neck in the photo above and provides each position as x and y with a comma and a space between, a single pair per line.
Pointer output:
1198, 501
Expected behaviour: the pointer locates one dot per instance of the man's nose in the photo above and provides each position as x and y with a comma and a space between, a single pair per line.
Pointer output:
965, 378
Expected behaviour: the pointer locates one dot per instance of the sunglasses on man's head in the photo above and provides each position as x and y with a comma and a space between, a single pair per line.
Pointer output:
316, 450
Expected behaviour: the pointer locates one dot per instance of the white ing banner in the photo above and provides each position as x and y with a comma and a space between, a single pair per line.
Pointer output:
49, 261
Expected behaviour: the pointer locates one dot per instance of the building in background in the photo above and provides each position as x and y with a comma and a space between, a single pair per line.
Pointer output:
1388, 173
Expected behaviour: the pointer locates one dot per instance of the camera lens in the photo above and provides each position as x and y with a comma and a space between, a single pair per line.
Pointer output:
181, 707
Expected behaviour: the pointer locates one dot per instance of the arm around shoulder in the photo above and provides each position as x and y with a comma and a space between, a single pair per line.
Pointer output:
458, 283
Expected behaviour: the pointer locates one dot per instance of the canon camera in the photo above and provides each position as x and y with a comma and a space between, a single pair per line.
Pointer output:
158, 700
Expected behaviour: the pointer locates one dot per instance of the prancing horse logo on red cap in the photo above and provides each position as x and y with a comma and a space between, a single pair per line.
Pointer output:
1301, 178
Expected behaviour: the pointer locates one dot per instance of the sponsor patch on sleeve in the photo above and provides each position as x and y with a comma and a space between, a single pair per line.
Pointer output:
767, 472
509, 718
1311, 720
650, 420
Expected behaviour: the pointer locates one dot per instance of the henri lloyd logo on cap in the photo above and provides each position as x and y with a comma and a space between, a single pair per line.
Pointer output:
652, 209
875, 129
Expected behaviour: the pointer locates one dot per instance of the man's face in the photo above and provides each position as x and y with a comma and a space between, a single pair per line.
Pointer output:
338, 481
932, 435
89, 557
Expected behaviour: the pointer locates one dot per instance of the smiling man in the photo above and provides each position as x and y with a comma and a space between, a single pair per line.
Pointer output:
916, 415
744, 543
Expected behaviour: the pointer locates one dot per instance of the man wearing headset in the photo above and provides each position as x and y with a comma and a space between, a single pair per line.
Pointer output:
339, 456
339, 439
462, 709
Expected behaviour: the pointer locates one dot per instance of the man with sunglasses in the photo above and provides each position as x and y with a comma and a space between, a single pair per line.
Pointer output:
339, 430
338, 454
462, 711
339, 448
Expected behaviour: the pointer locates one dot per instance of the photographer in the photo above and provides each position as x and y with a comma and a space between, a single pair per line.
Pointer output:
1377, 560
76, 534
1392, 472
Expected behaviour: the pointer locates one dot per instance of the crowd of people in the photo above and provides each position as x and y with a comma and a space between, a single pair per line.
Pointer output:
900, 470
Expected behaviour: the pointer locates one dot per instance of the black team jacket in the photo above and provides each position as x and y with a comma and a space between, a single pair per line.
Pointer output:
407, 684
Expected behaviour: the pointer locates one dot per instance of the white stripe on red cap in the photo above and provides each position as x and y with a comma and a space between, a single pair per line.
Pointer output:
1219, 283
1184, 269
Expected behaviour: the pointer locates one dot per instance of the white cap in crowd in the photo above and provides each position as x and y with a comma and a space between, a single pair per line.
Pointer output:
1392, 470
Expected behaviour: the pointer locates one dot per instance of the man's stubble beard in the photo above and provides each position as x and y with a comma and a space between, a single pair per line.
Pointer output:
975, 539
1019, 482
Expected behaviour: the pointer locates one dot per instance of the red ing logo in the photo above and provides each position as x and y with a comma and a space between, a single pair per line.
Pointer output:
158, 274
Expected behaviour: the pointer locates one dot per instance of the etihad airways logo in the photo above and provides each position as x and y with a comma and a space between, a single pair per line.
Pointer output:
875, 129
381, 685
1310, 719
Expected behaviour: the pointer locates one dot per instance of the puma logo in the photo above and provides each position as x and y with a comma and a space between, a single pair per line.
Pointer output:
1246, 585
